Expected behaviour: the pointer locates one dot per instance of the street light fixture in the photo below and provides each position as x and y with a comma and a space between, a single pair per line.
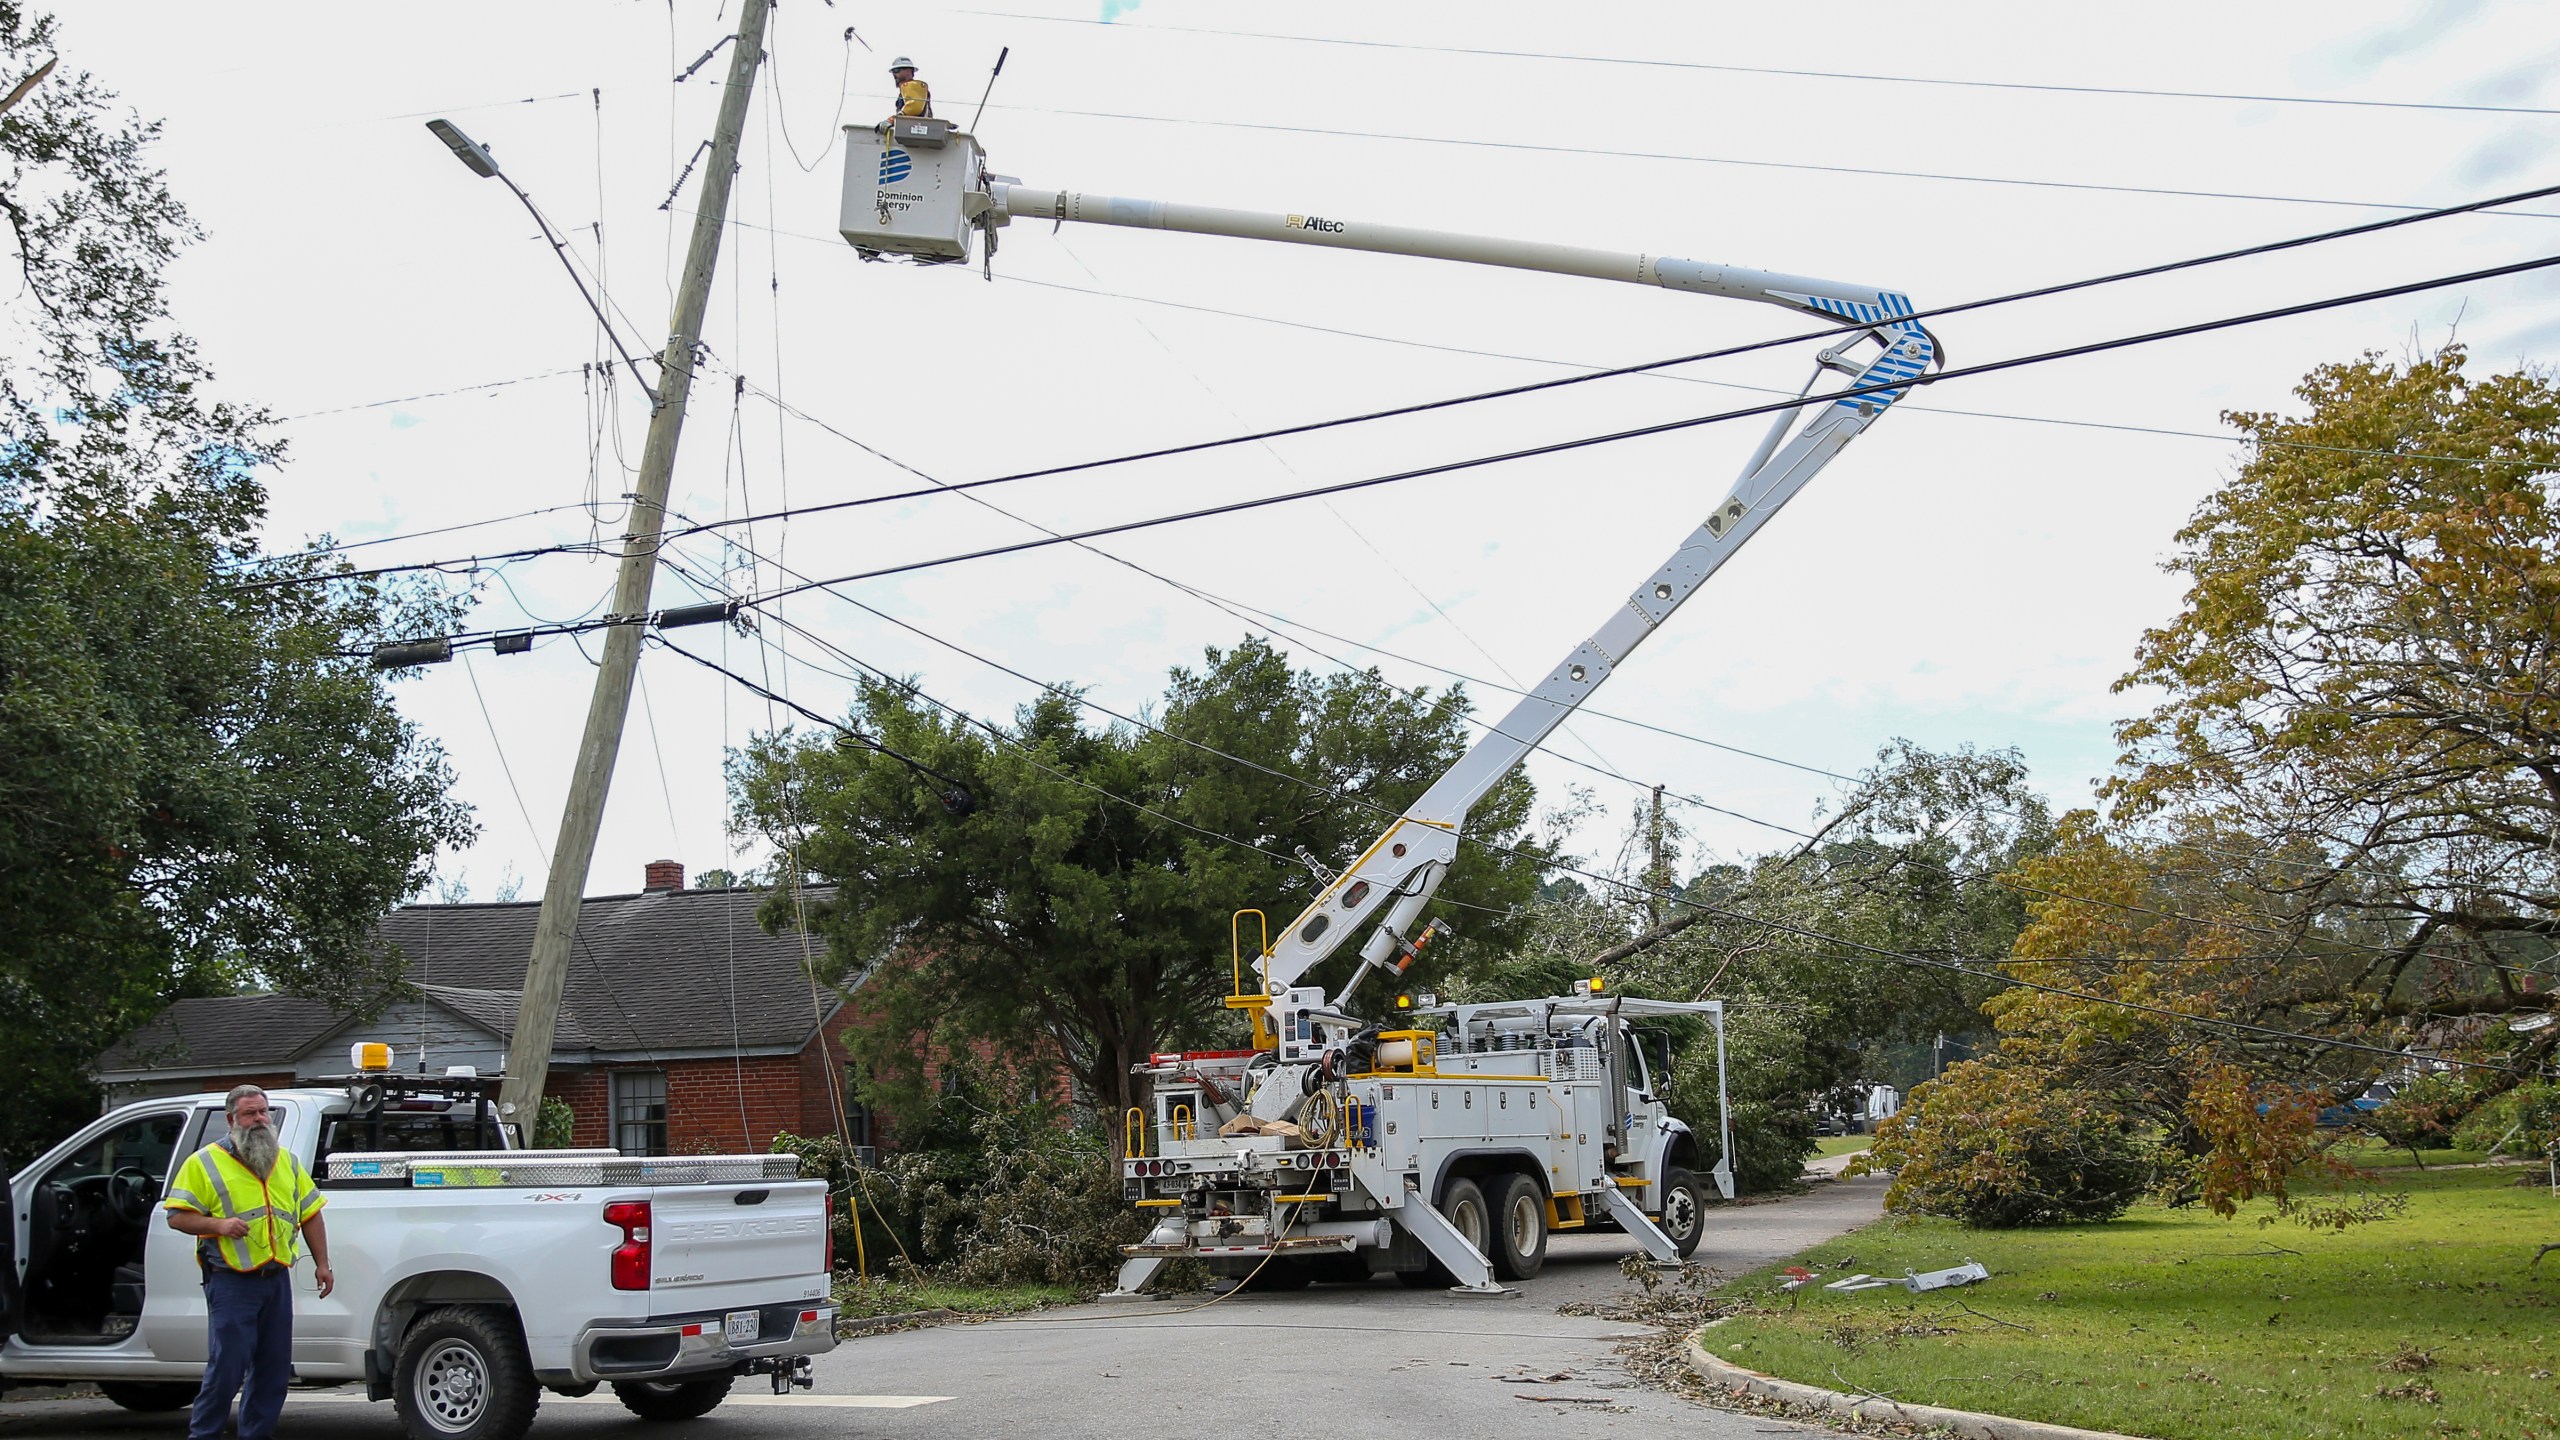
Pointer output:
476, 158
465, 149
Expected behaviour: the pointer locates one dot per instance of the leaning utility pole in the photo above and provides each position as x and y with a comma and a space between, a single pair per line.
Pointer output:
529, 1053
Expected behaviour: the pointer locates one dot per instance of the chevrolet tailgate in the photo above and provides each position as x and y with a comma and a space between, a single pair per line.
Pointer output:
736, 1246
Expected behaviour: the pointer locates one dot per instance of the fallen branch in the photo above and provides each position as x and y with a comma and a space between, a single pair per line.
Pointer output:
1566, 1399
2537, 1256
1994, 1319
1848, 1384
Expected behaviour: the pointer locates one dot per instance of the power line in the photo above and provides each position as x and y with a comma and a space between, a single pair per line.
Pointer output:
2221, 437
1952, 873
1551, 863
1561, 382
433, 394
1954, 177
2144, 92
1853, 392
1850, 393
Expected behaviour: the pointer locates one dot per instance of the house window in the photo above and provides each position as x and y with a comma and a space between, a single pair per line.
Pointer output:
857, 1116
640, 1112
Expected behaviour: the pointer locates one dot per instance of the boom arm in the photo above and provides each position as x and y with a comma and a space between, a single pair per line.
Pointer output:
924, 194
1395, 878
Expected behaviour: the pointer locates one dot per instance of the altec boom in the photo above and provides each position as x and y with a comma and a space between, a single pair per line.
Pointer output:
1448, 1140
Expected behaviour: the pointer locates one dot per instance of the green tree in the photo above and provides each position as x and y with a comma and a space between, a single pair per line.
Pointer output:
2361, 682
1905, 865
2333, 834
197, 789
1059, 913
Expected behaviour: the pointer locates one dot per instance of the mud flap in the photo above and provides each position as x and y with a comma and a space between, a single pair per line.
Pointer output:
1635, 1222
1474, 1272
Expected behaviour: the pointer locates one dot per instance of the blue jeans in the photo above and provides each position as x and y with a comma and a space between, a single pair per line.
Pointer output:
251, 1318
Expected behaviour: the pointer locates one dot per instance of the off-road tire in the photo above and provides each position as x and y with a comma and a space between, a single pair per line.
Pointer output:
464, 1375
1684, 1209
673, 1399
149, 1396
1519, 1228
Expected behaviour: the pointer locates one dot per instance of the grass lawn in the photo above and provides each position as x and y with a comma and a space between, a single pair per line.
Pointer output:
1842, 1144
2370, 1154
2180, 1325
860, 1298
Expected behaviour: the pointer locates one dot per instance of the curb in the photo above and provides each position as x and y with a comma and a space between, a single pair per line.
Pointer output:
868, 1323
1724, 1375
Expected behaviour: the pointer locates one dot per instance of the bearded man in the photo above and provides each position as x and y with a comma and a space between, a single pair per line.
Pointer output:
249, 1204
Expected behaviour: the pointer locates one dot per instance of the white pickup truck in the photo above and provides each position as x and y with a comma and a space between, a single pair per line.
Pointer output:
471, 1275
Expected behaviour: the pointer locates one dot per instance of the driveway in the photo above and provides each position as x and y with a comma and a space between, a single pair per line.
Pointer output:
1375, 1355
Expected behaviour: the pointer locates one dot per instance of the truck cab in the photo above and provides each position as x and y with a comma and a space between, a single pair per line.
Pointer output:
101, 1280
473, 1275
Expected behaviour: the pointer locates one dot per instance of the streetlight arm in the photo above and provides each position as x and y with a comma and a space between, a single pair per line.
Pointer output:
476, 158
560, 248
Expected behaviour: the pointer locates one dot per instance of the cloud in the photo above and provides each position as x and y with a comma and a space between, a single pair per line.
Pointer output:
402, 420
2516, 151
1114, 9
2418, 34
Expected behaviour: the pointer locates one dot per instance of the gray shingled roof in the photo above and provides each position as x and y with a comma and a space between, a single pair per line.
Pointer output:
656, 972
230, 1033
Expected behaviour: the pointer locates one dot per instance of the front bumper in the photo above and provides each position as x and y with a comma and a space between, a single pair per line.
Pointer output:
699, 1344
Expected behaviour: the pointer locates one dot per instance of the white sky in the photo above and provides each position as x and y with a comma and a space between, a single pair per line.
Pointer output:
1950, 578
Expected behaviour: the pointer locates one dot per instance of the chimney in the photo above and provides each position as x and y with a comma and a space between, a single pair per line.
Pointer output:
664, 875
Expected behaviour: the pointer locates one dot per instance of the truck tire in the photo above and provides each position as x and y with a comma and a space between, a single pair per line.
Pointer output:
1463, 1205
1519, 1227
464, 1375
149, 1396
673, 1399
1684, 1209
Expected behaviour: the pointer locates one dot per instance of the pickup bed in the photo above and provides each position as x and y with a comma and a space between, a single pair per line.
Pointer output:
471, 1276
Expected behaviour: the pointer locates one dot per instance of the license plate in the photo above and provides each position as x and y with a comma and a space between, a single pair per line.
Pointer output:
745, 1326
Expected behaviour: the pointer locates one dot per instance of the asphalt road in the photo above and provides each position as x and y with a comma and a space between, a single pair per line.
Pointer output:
1382, 1357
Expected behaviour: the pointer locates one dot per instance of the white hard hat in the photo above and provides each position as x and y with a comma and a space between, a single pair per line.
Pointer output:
902, 63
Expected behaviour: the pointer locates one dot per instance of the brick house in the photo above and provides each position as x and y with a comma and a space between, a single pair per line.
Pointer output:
684, 1027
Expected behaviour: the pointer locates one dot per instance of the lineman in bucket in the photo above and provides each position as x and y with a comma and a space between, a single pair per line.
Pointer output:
249, 1204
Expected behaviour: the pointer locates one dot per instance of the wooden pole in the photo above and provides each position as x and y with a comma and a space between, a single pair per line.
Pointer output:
555, 932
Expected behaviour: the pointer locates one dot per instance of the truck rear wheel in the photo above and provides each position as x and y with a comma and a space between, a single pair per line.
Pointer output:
673, 1399
1463, 1205
1519, 1227
1684, 1209
464, 1375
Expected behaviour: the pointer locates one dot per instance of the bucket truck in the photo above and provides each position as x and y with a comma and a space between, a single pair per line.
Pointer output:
1445, 1142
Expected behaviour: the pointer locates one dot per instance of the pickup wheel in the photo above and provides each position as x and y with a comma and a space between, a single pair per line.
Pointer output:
1519, 1228
1684, 1209
673, 1399
464, 1375
148, 1396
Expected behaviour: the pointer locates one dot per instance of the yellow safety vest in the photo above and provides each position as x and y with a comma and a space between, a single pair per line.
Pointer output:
214, 1182
914, 98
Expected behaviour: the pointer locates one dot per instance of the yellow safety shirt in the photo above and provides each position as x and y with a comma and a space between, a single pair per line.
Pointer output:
214, 1182
914, 99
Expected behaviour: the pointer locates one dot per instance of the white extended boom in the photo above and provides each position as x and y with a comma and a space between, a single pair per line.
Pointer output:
923, 193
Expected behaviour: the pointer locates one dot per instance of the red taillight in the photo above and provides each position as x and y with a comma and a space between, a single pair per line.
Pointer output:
631, 1257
